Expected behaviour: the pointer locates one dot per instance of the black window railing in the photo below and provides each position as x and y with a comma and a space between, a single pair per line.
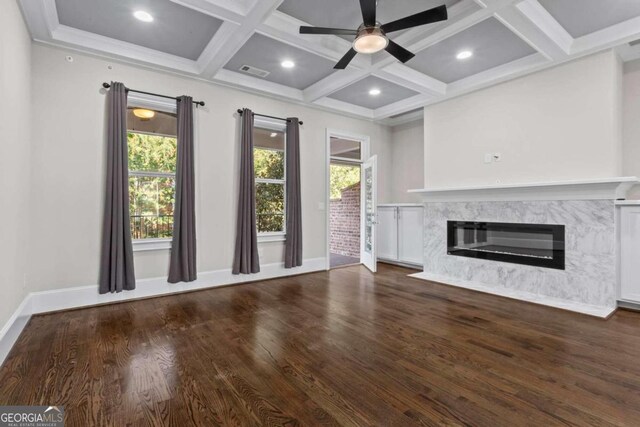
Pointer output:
151, 226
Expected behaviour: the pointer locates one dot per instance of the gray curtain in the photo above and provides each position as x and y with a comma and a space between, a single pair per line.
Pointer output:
246, 254
293, 244
182, 267
116, 262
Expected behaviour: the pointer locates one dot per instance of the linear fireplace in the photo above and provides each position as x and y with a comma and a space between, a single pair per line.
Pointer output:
540, 245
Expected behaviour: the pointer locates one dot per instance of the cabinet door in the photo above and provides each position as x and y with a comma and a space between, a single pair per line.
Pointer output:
630, 253
410, 239
388, 233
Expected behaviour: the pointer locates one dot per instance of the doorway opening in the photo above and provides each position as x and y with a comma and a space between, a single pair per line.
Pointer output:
344, 214
344, 198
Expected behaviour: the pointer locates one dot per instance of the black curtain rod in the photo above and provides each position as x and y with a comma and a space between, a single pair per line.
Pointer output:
107, 86
240, 110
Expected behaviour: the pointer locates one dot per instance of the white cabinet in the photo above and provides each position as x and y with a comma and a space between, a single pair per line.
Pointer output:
630, 253
387, 232
400, 234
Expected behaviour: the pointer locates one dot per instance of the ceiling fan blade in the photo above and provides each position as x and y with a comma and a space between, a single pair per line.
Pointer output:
402, 54
342, 64
324, 30
427, 17
368, 12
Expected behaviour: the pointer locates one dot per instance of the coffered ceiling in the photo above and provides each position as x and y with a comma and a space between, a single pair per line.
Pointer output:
217, 39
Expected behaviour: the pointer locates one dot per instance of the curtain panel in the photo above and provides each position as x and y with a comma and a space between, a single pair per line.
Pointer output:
246, 258
182, 266
293, 244
116, 258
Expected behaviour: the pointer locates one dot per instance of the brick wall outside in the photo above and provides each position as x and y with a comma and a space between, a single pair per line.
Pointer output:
344, 221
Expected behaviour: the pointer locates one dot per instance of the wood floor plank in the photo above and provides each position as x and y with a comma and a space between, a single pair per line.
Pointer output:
344, 347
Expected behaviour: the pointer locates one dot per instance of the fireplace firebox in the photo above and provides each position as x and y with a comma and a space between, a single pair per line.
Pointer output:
539, 245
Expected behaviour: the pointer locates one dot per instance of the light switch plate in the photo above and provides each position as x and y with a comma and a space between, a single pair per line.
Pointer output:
488, 158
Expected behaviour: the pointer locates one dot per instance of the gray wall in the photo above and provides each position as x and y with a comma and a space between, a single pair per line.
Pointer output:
15, 125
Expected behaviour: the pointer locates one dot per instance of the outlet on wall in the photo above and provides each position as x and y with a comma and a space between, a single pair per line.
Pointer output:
488, 158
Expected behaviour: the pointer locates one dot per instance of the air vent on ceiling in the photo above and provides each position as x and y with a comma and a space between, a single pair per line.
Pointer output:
254, 71
635, 42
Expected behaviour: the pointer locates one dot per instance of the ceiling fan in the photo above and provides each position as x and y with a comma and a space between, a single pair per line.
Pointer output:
371, 36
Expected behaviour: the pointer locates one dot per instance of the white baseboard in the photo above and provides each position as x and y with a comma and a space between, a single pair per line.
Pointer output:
14, 326
592, 310
82, 296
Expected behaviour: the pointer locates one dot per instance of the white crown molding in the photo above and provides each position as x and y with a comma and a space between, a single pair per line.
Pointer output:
413, 116
399, 107
92, 42
629, 53
607, 38
499, 74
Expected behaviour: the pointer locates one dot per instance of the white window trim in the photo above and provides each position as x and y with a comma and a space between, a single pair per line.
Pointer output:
277, 125
144, 245
159, 104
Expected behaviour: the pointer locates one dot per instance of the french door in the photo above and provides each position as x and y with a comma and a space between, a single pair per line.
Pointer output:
369, 214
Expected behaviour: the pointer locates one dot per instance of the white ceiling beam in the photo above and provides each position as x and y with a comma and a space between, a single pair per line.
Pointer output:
41, 17
333, 83
402, 75
246, 82
227, 10
533, 24
219, 54
345, 108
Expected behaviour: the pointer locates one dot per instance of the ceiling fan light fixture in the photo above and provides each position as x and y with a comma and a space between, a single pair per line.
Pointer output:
144, 114
370, 40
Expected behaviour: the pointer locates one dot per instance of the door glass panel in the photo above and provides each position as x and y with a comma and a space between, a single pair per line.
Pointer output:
369, 209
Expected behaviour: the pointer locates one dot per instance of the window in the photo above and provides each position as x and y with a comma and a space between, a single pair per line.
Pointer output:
269, 165
152, 144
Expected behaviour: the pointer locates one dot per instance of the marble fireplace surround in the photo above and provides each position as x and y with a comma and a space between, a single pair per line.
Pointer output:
586, 208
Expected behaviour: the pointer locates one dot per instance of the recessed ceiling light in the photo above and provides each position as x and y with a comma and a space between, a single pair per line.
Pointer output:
465, 54
273, 134
143, 16
375, 92
288, 64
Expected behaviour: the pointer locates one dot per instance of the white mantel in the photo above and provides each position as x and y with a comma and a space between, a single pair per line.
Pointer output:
592, 189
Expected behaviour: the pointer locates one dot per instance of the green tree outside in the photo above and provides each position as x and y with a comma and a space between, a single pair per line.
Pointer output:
151, 198
342, 176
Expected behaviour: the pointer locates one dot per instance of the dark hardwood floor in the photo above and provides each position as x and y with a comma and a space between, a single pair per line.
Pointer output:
344, 347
